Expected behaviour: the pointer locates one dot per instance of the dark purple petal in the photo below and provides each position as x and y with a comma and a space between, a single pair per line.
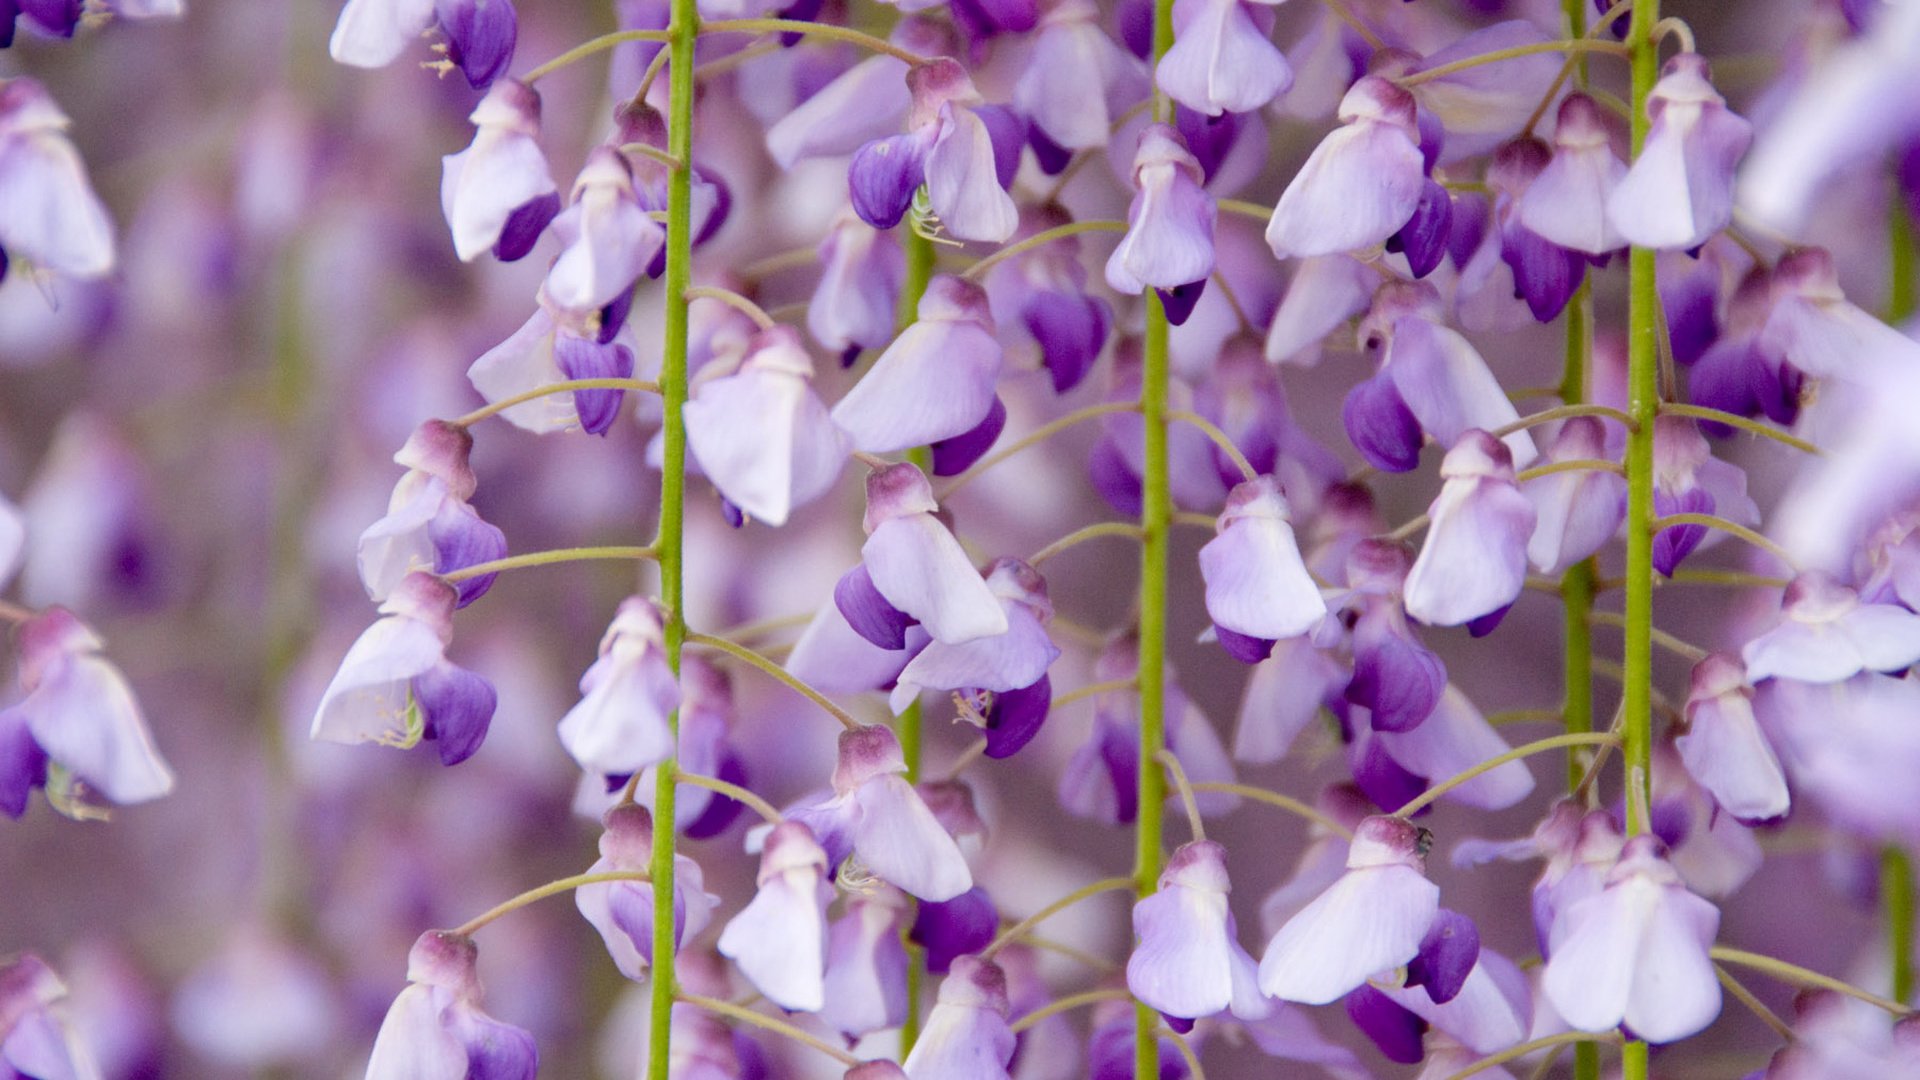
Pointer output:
1051, 156
1723, 378
1394, 1029
721, 810
951, 457
958, 927
1424, 237
461, 539
799, 11
1619, 26
1011, 16
1672, 544
525, 225
1382, 779
736, 518
1015, 717
1008, 130
1179, 301
614, 315
1110, 1055
1380, 425
883, 176
1488, 623
495, 1051
1399, 681
632, 909
1433, 139
1692, 323
1545, 274
23, 765
579, 358
56, 17
722, 206
1671, 820
1209, 138
1116, 483
1133, 19
480, 37
1247, 650
848, 356
9, 11
1470, 214
1181, 1025
1120, 756
1071, 329
868, 612
1447, 955
1777, 387
457, 706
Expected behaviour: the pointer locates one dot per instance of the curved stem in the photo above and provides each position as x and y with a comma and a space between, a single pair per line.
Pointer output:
1675, 28
1082, 535
1213, 432
1196, 828
1515, 1053
1734, 578
566, 387
1721, 524
1034, 438
1799, 976
1409, 528
551, 888
812, 29
588, 48
1578, 45
1273, 798
648, 150
1066, 1004
1198, 521
1570, 465
732, 791
1094, 689
1754, 1005
741, 652
1562, 412
1040, 239
1186, 1052
1687, 650
1552, 742
1012, 933
1245, 209
547, 558
733, 300
798, 258
768, 1023
1346, 15
1522, 716
1744, 423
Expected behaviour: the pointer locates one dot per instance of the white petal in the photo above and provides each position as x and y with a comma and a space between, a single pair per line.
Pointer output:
779, 941
1325, 292
1182, 965
740, 429
1453, 739
85, 717
1283, 696
525, 362
483, 185
1651, 207
1675, 992
901, 841
934, 382
1371, 920
1447, 386
1795, 650
962, 185
1257, 583
920, 568
367, 699
373, 33
1596, 945
1360, 185
619, 726
999, 662
1887, 637
867, 101
412, 1044
48, 211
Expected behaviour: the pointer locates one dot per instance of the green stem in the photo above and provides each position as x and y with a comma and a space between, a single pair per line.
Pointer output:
1273, 798
1156, 512
1219, 439
1799, 976
547, 558
1515, 1053
779, 674
813, 29
733, 300
551, 888
1896, 901
1082, 535
1581, 45
1551, 742
1570, 465
1719, 524
588, 48
1072, 228
1012, 933
683, 28
1577, 322
732, 791
1067, 1004
766, 1023
566, 387
1746, 424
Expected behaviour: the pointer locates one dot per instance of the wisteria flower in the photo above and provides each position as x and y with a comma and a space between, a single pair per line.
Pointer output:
949, 148
554, 347
1078, 79
1396, 677
866, 979
966, 1036
435, 1029
1223, 58
878, 816
999, 663
620, 724
480, 34
1826, 635
1361, 183
1257, 585
779, 940
1723, 747
1324, 292
1545, 274
1679, 190
935, 381
395, 686
861, 271
497, 194
1474, 561
49, 214
1819, 332
1566, 203
762, 435
1169, 239
1369, 921
1636, 953
622, 911
1188, 962
917, 567
1687, 478
607, 237
430, 525
1577, 512
1452, 739
37, 1037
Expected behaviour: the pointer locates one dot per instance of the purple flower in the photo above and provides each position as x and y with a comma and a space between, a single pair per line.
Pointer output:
36, 1037
861, 271
1575, 513
1723, 748
835, 658
997, 663
935, 381
622, 911
1545, 274
948, 147
1257, 584
395, 686
1474, 561
885, 822
1188, 963
762, 435
966, 1036
607, 238
1223, 58
1370, 920
1490, 1012
1361, 183
49, 215
1819, 332
1636, 953
1826, 635
539, 354
620, 724
1169, 239
497, 193
1395, 677
429, 524
1679, 190
863, 103
1687, 478
480, 33
1478, 108
866, 981
918, 567
954, 928
1077, 79
1566, 204
1101, 782
779, 940
1284, 695
1439, 376
1454, 737
1324, 292
435, 1029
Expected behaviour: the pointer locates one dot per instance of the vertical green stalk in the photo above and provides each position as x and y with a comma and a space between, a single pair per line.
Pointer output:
920, 255
1896, 868
1643, 403
668, 544
1576, 585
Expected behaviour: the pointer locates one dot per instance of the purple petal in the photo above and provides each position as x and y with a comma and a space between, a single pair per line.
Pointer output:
1397, 1032
953, 456
1423, 239
1381, 426
1246, 649
869, 613
1209, 138
1447, 956
1116, 483
883, 176
1545, 274
953, 928
457, 706
1381, 778
1179, 301
1398, 680
1051, 156
1071, 329
1488, 623
1008, 131
525, 225
461, 539
495, 1051
721, 810
1673, 544
1015, 717
56, 17
23, 765
582, 359
480, 37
